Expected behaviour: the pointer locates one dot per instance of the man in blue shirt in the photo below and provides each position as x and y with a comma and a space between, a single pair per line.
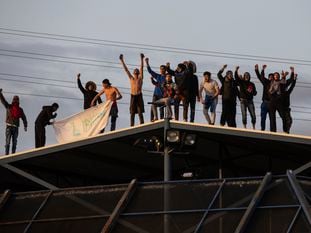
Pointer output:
157, 80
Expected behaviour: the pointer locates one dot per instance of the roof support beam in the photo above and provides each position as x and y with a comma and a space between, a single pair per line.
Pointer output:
111, 222
302, 168
198, 228
253, 204
38, 211
4, 198
299, 195
30, 177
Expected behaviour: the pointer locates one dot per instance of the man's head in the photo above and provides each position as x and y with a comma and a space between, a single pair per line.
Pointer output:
15, 100
207, 76
55, 106
270, 76
180, 67
276, 76
162, 69
106, 83
247, 76
90, 86
168, 78
229, 74
136, 72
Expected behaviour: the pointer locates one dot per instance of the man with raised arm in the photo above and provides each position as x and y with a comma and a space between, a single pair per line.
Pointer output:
112, 94
247, 93
264, 107
229, 94
13, 113
157, 80
136, 82
89, 92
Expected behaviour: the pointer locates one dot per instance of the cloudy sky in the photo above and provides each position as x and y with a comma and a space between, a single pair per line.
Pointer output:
44, 44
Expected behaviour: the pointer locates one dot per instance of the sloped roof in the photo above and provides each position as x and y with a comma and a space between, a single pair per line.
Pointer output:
119, 156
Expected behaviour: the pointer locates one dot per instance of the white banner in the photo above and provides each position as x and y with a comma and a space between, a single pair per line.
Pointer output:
84, 124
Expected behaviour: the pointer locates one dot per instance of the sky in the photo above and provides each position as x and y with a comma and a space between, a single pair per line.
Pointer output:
42, 41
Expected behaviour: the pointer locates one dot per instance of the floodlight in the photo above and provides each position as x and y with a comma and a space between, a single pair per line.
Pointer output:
173, 136
190, 139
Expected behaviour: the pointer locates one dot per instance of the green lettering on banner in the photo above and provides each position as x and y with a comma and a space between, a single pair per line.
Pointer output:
75, 132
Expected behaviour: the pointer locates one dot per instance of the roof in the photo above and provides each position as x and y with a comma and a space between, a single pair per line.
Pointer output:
119, 156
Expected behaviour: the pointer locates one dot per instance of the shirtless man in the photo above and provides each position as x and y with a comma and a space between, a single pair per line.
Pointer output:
136, 82
113, 94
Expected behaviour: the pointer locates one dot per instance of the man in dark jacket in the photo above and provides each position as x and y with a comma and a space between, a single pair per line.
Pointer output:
193, 90
264, 107
287, 118
247, 93
182, 80
13, 113
229, 93
43, 120
89, 92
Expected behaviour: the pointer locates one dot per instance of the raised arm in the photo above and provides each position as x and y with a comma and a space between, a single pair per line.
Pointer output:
150, 71
293, 83
237, 77
80, 84
141, 70
169, 70
3, 100
219, 74
124, 66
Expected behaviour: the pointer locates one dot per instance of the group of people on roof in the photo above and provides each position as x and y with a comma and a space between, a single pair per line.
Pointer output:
174, 88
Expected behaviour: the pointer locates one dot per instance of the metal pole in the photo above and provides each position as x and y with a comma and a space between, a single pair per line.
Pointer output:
167, 177
167, 159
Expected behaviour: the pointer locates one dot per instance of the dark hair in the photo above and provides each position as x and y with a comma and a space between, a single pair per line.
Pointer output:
106, 81
55, 105
90, 83
182, 66
207, 73
163, 66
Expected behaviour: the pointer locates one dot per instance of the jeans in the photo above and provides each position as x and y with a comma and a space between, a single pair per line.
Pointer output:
264, 110
11, 132
152, 116
210, 103
167, 101
276, 105
248, 104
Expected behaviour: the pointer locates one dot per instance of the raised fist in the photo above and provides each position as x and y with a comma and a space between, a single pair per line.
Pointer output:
142, 56
121, 57
225, 66
264, 66
292, 69
78, 75
256, 67
237, 67
147, 60
0, 90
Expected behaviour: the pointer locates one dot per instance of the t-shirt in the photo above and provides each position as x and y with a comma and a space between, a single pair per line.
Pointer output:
209, 87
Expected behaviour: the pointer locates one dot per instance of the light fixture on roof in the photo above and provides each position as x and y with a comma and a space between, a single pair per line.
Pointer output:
190, 139
173, 136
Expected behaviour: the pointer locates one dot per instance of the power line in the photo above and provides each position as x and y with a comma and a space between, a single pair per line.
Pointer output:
164, 49
147, 45
89, 60
24, 76
49, 79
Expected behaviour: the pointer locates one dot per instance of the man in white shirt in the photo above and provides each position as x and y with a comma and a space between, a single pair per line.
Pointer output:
210, 101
